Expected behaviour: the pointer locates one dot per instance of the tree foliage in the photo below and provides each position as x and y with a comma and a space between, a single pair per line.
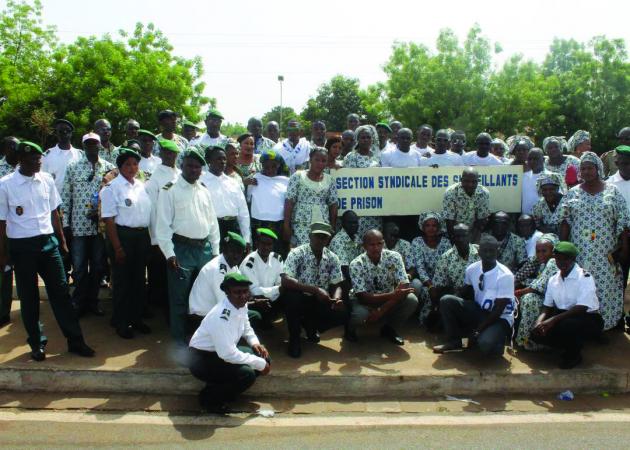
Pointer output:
288, 113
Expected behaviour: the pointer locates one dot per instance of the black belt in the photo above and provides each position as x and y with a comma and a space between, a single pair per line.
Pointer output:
133, 228
190, 241
228, 218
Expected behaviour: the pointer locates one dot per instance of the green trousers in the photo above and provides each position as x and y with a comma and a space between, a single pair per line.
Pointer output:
40, 255
191, 259
128, 290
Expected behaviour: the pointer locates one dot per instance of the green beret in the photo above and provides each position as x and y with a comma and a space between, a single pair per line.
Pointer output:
212, 112
566, 248
194, 153
169, 145
188, 123
235, 238
234, 279
267, 232
147, 133
623, 149
29, 147
124, 154
321, 228
384, 125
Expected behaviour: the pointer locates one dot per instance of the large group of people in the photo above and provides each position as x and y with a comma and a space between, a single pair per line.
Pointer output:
227, 235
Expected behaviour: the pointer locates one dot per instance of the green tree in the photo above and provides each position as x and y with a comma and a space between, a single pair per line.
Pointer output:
121, 79
288, 113
333, 102
233, 130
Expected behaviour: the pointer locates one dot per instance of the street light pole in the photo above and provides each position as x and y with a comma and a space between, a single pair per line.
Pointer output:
281, 79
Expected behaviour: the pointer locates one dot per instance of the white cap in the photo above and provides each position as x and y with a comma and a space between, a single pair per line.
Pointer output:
93, 136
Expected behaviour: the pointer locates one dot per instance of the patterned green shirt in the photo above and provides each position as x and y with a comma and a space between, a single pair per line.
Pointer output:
346, 248
302, 265
451, 268
424, 258
5, 167
79, 185
512, 252
463, 208
403, 248
377, 278
109, 154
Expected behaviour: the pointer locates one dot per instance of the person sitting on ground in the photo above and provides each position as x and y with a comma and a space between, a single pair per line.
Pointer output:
312, 279
512, 250
481, 156
426, 250
442, 156
450, 271
393, 242
526, 230
206, 290
571, 309
216, 359
466, 202
485, 312
263, 267
381, 290
530, 283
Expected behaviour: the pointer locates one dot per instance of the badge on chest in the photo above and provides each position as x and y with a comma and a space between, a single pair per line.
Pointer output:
128, 202
19, 210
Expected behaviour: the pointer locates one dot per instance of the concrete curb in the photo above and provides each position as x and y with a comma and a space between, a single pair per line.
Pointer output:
179, 381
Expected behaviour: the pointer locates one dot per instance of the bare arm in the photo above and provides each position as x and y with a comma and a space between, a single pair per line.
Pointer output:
112, 235
56, 223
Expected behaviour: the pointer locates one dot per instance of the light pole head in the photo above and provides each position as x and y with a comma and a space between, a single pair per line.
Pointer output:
280, 77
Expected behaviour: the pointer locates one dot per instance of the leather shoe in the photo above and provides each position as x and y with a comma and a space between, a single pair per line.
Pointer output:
295, 349
125, 332
141, 327
81, 349
38, 354
97, 310
389, 333
313, 336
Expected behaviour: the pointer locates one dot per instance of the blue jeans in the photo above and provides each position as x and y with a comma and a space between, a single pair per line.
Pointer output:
88, 260
461, 316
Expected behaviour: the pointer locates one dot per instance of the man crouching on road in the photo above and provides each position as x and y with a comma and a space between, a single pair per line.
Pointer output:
227, 369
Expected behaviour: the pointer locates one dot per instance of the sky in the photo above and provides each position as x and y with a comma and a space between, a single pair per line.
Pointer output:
246, 44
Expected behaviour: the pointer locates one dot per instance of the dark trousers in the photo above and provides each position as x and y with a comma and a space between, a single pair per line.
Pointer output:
6, 292
88, 260
224, 381
157, 288
128, 279
67, 259
191, 258
569, 334
226, 225
40, 255
305, 310
460, 317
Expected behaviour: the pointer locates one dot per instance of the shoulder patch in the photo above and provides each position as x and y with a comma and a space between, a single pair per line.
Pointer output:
223, 268
586, 274
201, 183
167, 186
225, 314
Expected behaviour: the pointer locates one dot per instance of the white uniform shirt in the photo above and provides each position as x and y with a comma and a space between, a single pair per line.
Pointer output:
422, 150
578, 288
265, 276
206, 291
26, 204
56, 160
129, 204
446, 159
185, 209
396, 158
206, 141
228, 200
497, 283
149, 164
220, 332
162, 175
472, 159
530, 244
529, 193
294, 157
622, 185
267, 197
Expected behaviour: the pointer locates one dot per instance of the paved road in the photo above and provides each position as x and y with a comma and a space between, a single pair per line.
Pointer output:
55, 429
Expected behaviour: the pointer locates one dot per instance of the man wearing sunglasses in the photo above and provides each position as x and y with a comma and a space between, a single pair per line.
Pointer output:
79, 197
485, 311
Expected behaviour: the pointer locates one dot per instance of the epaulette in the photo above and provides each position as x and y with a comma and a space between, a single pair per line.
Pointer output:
225, 314
277, 256
201, 183
167, 186
586, 274
223, 268
250, 262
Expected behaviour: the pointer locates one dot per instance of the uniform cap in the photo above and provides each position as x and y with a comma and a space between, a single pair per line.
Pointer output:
91, 136
213, 112
321, 228
384, 125
235, 279
124, 154
623, 149
236, 239
169, 145
64, 121
267, 232
566, 248
188, 123
147, 133
194, 153
29, 147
